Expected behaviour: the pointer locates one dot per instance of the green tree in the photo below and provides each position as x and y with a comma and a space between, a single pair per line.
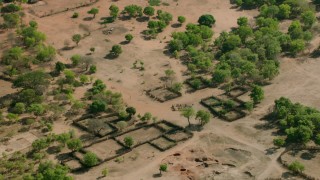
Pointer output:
29, 96
48, 170
257, 94
93, 11
284, 11
149, 11
243, 21
169, 75
129, 37
63, 138
97, 106
207, 20
36, 80
279, 142
105, 172
176, 87
11, 20
114, 11
76, 38
40, 144
19, 108
165, 17
59, 67
296, 166
74, 144
181, 19
128, 141
188, 113
116, 50
297, 46
90, 159
93, 69
121, 125
308, 18
203, 117
249, 106
220, 76
45, 53
133, 10
75, 59
163, 168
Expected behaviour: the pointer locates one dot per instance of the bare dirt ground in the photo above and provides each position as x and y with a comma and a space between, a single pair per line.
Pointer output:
237, 150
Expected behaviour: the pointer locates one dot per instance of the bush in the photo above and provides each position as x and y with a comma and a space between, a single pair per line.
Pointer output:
181, 19
279, 142
93, 69
75, 15
207, 20
90, 159
97, 106
296, 166
19, 108
128, 141
116, 50
129, 37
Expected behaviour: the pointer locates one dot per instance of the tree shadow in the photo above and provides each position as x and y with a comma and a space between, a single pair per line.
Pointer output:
106, 20
271, 150
124, 18
67, 48
176, 25
156, 175
194, 127
307, 155
87, 18
142, 19
124, 42
315, 53
63, 156
53, 150
110, 56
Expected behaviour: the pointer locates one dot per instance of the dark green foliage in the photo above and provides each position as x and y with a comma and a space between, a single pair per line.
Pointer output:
98, 86
31, 36
279, 142
75, 15
59, 67
93, 11
10, 8
29, 96
131, 110
257, 94
165, 17
114, 11
90, 159
133, 10
74, 144
128, 141
97, 106
181, 19
149, 11
154, 2
36, 80
207, 20
76, 38
93, 69
296, 166
116, 50
129, 37
11, 20
299, 123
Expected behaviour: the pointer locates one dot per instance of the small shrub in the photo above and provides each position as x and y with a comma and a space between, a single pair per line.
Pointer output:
75, 15
296, 166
